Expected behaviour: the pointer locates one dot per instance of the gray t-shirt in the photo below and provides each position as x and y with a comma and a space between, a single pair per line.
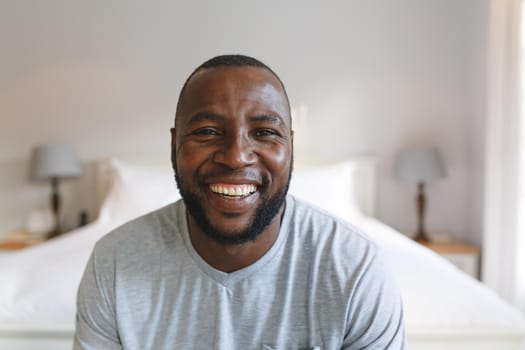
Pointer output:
320, 286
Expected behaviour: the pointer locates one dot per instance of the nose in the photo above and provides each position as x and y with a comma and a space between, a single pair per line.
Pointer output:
236, 152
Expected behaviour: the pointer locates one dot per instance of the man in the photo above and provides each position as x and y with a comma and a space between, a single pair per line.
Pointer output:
237, 264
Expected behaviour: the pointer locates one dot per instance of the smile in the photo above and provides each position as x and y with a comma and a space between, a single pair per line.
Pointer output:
233, 190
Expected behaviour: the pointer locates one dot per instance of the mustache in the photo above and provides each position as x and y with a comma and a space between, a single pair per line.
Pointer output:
247, 174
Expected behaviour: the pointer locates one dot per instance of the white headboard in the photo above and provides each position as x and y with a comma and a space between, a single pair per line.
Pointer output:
364, 175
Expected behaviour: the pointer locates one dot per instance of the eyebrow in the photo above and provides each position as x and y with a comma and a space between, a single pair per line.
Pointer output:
207, 116
204, 116
268, 118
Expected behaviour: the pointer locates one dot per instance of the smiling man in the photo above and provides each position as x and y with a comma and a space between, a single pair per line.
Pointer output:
236, 264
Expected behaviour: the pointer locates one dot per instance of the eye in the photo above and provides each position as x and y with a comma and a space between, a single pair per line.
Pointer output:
265, 132
206, 132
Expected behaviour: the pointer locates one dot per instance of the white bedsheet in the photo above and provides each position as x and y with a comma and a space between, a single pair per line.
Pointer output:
436, 294
39, 284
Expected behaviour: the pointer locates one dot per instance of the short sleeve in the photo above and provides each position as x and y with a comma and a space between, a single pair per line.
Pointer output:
375, 312
95, 326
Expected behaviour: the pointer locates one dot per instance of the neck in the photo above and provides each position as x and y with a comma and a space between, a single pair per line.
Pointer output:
232, 257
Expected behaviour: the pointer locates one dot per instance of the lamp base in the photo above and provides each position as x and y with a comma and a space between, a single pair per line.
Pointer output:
421, 237
56, 232
55, 206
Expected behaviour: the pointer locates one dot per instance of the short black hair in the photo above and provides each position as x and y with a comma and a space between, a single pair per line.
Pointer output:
232, 61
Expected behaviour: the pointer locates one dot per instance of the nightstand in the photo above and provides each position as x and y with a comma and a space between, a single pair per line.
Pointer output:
19, 240
464, 256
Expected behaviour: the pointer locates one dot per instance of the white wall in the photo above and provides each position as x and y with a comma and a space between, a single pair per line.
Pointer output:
375, 75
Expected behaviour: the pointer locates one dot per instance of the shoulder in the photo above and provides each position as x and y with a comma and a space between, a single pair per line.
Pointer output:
348, 267
323, 231
338, 252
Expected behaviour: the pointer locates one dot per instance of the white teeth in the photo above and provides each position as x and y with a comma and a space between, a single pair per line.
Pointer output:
233, 190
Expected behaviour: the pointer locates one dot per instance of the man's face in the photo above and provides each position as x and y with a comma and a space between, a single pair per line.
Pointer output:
232, 151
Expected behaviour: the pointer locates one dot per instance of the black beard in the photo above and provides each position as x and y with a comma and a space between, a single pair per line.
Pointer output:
264, 213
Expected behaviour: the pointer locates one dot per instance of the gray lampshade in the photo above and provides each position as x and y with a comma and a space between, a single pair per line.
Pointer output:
419, 164
54, 160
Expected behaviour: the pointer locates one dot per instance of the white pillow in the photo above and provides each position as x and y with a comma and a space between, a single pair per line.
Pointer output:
330, 187
135, 191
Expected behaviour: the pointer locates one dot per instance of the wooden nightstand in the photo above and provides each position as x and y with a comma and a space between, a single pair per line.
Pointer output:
19, 240
464, 256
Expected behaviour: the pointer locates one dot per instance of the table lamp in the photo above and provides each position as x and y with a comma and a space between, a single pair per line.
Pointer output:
54, 162
420, 165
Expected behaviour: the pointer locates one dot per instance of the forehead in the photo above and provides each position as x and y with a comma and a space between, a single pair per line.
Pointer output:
226, 89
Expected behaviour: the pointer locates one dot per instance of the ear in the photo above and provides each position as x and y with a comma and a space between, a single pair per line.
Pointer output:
292, 133
173, 149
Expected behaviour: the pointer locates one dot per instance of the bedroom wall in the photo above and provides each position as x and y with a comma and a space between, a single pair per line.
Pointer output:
370, 77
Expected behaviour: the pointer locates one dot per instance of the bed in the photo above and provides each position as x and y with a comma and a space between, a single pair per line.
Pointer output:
444, 308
